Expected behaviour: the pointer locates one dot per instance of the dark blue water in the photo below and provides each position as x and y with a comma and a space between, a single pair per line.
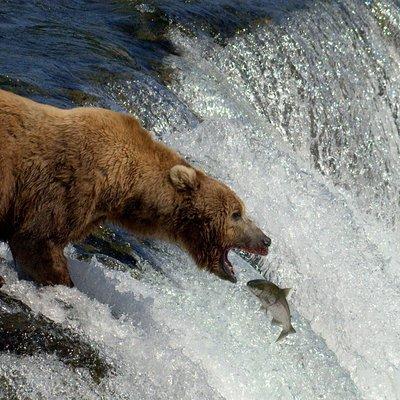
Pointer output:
62, 52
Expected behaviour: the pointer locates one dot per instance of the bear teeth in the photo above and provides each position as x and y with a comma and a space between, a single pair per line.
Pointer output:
227, 266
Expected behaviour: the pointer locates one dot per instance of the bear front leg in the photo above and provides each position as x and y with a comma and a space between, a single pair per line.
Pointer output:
41, 260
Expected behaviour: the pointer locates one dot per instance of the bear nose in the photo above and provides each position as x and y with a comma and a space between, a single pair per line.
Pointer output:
266, 241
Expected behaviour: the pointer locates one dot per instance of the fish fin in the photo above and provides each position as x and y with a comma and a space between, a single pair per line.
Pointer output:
286, 291
275, 322
282, 335
285, 333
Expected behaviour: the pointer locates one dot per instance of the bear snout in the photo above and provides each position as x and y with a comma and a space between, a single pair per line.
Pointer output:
266, 241
254, 240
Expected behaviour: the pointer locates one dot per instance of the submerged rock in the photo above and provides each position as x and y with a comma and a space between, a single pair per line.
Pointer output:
7, 392
111, 249
106, 241
24, 333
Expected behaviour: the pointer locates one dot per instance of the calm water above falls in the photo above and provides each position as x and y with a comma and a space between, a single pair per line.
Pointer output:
295, 105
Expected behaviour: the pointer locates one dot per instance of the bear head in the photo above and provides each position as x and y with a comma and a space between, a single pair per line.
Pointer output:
210, 219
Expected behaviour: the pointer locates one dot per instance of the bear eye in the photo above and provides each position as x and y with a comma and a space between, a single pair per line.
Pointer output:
236, 215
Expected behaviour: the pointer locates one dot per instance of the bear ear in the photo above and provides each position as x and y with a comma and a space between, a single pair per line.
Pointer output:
183, 178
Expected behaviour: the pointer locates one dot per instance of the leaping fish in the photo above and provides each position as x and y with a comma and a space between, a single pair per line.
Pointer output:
273, 299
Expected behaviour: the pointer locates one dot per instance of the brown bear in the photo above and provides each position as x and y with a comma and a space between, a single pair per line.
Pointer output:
62, 172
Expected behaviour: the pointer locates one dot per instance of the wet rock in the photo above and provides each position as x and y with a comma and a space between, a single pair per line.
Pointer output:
24, 333
7, 392
80, 97
111, 249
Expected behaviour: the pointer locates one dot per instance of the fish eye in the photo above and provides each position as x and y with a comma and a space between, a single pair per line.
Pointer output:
236, 215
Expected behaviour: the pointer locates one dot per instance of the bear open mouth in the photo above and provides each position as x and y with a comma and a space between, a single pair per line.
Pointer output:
227, 267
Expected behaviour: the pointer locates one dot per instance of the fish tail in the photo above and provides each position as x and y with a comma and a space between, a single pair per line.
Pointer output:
286, 332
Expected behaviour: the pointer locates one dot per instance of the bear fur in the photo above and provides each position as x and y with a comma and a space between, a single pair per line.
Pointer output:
63, 172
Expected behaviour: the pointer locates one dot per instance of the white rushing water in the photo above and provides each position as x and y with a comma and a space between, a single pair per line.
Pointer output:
298, 126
